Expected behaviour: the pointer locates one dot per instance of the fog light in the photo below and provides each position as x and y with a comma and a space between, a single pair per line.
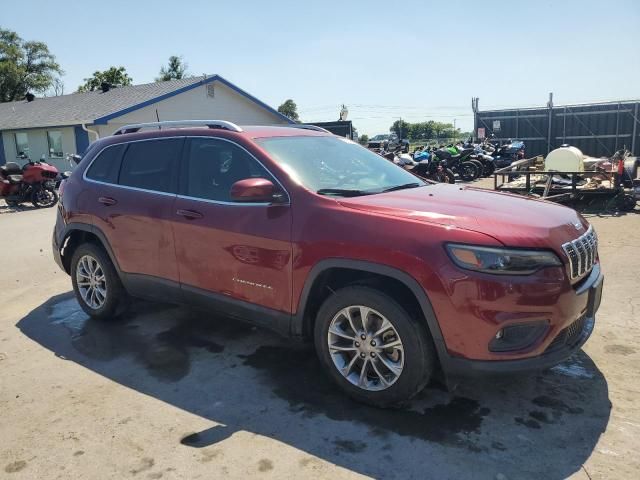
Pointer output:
518, 336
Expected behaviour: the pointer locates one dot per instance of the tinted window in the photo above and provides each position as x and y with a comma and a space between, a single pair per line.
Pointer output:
214, 165
149, 164
106, 166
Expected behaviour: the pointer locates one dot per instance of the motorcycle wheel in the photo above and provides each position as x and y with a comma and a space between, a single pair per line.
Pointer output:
451, 177
479, 166
467, 171
488, 169
12, 203
44, 197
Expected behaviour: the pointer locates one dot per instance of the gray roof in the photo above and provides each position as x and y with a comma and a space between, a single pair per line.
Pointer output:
79, 108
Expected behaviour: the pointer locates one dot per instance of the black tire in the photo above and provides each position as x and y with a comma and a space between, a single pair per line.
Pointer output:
44, 197
479, 167
419, 352
451, 177
115, 294
467, 171
488, 169
627, 203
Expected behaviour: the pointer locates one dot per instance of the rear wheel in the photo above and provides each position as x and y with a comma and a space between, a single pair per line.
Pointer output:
467, 171
95, 282
372, 348
44, 197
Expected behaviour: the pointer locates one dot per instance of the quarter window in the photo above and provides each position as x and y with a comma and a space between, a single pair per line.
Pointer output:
213, 166
149, 164
106, 166
22, 144
54, 137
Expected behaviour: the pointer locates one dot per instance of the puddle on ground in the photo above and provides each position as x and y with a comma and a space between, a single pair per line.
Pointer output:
297, 378
572, 368
162, 338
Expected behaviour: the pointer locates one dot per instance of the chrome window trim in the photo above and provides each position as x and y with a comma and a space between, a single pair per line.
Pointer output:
235, 204
186, 197
126, 187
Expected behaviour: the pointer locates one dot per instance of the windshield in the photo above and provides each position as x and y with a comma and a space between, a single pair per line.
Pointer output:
380, 137
336, 166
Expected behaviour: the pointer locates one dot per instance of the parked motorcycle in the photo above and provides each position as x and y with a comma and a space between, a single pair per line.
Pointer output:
430, 167
504, 155
71, 159
466, 170
34, 182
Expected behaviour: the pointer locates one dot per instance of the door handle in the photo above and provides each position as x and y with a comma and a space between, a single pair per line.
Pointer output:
107, 201
189, 214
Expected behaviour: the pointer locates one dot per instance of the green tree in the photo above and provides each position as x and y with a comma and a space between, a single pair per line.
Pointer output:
363, 139
25, 67
114, 76
289, 109
175, 70
400, 128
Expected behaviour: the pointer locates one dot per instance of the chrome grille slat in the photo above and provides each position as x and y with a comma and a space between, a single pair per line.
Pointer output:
582, 253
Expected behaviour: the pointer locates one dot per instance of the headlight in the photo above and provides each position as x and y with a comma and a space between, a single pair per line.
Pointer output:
503, 261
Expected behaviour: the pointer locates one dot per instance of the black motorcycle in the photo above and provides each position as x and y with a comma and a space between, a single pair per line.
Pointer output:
466, 170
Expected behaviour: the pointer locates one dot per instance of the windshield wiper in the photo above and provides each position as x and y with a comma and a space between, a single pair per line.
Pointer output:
402, 187
343, 192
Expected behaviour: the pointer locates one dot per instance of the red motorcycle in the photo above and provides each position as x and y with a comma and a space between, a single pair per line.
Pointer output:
35, 183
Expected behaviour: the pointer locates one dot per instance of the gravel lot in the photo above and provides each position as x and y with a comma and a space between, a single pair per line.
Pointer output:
168, 392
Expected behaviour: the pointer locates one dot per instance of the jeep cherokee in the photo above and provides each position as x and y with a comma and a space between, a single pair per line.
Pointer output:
315, 237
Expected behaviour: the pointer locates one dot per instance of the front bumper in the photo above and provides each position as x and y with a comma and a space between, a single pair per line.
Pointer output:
565, 342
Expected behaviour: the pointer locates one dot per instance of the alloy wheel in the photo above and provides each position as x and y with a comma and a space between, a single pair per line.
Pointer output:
365, 348
91, 282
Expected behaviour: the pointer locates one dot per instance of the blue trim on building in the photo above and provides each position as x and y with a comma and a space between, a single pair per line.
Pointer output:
82, 139
103, 120
3, 160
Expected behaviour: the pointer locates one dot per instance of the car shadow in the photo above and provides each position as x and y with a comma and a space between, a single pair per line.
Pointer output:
246, 379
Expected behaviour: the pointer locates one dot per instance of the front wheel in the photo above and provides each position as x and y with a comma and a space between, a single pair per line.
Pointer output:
451, 177
44, 197
372, 348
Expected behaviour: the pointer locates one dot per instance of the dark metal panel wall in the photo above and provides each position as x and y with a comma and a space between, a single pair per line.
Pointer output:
596, 129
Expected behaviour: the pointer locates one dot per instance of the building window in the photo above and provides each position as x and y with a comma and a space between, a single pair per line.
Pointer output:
54, 138
211, 90
22, 145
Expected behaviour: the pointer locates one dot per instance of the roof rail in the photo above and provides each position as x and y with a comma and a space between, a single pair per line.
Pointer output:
309, 127
135, 127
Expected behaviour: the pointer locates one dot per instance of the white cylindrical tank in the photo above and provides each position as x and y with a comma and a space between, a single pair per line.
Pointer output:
565, 159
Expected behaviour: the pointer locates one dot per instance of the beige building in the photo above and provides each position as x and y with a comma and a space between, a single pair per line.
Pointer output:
54, 126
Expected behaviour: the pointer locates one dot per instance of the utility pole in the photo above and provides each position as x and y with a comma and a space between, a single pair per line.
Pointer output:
550, 107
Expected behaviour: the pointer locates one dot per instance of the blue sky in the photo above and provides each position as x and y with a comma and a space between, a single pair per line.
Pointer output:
417, 60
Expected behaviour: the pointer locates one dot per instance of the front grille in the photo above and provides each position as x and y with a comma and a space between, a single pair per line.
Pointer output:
582, 253
570, 336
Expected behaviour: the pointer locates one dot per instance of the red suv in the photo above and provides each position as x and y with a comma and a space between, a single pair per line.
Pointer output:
313, 236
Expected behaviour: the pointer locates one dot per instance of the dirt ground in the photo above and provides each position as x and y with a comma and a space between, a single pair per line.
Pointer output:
172, 393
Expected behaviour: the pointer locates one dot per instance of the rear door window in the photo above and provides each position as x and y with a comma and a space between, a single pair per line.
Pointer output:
151, 164
106, 166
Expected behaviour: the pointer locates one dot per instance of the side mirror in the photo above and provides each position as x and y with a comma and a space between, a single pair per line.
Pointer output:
75, 158
255, 190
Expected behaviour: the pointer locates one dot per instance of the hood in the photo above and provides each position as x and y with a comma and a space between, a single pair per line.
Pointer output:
513, 220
